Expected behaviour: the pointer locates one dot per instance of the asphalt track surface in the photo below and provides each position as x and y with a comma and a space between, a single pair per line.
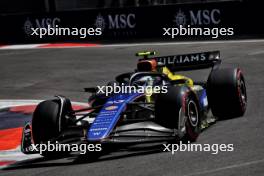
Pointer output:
41, 73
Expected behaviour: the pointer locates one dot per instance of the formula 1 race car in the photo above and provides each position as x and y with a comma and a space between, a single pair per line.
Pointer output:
180, 110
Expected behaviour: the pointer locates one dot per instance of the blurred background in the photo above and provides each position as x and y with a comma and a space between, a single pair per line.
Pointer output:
31, 6
127, 19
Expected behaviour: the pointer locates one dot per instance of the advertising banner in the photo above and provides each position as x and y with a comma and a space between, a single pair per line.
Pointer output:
130, 23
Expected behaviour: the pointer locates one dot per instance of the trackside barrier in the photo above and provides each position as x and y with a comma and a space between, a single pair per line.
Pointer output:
137, 22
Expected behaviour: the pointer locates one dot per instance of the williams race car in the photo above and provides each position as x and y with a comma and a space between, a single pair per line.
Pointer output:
179, 113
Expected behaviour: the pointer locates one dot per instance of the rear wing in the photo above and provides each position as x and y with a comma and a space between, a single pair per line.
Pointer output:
192, 61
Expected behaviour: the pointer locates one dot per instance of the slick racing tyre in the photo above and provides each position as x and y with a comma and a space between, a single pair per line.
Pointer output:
227, 94
179, 109
47, 123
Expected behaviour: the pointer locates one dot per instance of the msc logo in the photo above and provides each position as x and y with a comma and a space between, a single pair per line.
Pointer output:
100, 22
198, 17
117, 21
40, 23
180, 18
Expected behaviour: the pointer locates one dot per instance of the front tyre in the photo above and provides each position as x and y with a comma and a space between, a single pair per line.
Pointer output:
179, 109
47, 123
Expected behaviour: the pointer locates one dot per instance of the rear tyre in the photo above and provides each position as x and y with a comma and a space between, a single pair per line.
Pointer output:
227, 94
179, 109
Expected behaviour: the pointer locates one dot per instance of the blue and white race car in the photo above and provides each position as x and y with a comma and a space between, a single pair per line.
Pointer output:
159, 106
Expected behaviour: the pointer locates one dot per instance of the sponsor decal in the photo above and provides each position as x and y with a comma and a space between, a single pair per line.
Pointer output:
118, 24
115, 101
110, 108
100, 22
198, 17
182, 59
104, 122
122, 21
108, 113
27, 27
180, 18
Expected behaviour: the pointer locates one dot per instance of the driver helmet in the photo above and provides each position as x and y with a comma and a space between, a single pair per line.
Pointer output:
148, 81
147, 65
